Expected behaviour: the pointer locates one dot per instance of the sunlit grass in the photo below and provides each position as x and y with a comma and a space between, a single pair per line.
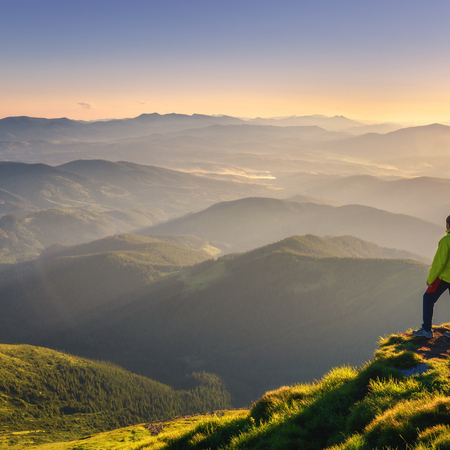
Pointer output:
372, 407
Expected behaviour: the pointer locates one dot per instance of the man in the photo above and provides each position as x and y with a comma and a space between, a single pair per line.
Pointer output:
438, 281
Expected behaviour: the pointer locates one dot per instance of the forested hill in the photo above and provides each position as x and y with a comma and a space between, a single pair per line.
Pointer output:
66, 397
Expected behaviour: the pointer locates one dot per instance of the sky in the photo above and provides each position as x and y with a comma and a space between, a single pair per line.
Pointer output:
374, 61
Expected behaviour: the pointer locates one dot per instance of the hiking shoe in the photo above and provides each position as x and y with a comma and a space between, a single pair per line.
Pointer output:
424, 333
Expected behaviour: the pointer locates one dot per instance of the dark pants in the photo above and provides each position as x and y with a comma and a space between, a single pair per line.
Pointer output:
429, 299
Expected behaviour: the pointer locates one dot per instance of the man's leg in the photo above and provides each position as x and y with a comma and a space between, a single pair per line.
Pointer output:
429, 299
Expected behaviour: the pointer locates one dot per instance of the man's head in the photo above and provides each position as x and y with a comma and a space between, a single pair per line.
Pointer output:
447, 222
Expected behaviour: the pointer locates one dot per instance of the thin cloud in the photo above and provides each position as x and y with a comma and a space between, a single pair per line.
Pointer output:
86, 105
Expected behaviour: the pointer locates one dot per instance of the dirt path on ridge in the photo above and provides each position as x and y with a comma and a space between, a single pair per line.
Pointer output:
437, 347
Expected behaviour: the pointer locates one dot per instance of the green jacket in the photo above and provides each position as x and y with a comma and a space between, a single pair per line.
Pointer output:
440, 266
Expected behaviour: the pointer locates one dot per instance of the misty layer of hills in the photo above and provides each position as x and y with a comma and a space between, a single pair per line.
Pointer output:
89, 199
16, 129
234, 147
244, 224
85, 200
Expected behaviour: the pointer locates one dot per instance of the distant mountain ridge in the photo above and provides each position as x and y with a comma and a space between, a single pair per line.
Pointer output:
421, 141
25, 128
252, 222
335, 123
31, 128
423, 197
218, 143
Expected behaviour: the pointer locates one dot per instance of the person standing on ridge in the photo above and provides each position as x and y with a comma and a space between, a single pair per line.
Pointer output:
438, 281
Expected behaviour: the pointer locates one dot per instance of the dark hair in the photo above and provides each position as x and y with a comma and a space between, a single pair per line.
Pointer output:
448, 220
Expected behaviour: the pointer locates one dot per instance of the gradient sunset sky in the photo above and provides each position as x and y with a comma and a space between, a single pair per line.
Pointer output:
368, 60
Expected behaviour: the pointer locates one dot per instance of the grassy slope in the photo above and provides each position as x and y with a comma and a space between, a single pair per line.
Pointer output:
374, 406
54, 396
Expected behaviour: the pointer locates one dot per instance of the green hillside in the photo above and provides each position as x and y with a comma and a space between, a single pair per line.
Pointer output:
275, 318
48, 396
284, 313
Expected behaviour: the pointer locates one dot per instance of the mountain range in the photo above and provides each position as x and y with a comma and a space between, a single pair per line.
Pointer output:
85, 200
92, 199
179, 141
241, 225
225, 145
32, 128
105, 186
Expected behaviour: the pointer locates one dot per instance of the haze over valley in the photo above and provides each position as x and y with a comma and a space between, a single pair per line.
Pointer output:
205, 239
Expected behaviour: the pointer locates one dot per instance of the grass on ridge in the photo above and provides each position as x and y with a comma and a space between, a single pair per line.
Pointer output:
372, 407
